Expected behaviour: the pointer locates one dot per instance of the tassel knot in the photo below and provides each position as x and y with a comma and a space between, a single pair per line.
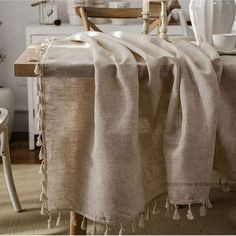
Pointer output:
43, 183
225, 188
155, 211
203, 210
73, 220
58, 220
224, 184
39, 125
190, 214
133, 228
121, 232
49, 224
107, 230
94, 228
39, 141
83, 224
37, 69
141, 221
42, 196
41, 168
148, 215
176, 215
39, 85
41, 154
49, 219
167, 205
43, 211
208, 203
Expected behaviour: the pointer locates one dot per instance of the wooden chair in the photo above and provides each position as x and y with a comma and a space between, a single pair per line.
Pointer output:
5, 154
94, 12
158, 13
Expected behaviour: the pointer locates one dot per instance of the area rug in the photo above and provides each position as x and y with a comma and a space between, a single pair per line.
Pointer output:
29, 221
220, 219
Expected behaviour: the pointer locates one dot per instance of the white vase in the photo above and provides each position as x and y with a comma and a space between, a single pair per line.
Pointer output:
211, 17
7, 102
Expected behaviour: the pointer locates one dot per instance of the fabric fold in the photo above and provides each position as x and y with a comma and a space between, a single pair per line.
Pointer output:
118, 140
190, 130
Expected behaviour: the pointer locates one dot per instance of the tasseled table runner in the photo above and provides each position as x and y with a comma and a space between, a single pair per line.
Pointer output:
117, 133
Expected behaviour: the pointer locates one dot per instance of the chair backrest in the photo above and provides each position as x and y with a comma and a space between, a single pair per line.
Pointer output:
3, 118
172, 4
124, 13
98, 12
94, 12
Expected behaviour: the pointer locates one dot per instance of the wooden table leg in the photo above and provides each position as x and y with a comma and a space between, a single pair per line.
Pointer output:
76, 229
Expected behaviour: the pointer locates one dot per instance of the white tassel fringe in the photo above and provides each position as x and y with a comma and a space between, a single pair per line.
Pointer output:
107, 230
208, 203
39, 141
43, 196
121, 232
73, 220
58, 220
83, 224
203, 210
141, 223
190, 214
133, 227
37, 70
167, 204
94, 228
148, 215
155, 211
176, 215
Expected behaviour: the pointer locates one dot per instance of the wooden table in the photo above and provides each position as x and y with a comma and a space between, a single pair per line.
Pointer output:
24, 68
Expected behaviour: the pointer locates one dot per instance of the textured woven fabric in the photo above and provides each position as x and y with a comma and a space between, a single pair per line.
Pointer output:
127, 118
225, 154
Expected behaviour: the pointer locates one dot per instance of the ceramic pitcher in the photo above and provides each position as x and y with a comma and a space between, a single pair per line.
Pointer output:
211, 17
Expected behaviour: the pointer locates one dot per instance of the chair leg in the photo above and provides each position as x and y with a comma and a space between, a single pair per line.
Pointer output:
84, 18
75, 229
8, 171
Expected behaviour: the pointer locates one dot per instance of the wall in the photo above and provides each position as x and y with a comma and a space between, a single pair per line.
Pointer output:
15, 15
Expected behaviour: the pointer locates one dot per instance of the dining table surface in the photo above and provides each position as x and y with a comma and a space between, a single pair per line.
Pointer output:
25, 65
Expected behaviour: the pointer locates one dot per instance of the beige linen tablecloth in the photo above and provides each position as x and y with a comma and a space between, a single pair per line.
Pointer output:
225, 154
126, 118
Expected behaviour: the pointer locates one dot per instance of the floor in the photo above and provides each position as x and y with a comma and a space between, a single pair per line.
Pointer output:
221, 218
29, 221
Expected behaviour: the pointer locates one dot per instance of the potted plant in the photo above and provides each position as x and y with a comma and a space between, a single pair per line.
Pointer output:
6, 95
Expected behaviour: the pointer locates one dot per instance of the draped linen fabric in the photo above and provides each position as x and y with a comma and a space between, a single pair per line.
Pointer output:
225, 153
126, 119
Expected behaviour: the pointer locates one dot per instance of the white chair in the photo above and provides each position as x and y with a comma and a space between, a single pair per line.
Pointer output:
183, 16
5, 154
